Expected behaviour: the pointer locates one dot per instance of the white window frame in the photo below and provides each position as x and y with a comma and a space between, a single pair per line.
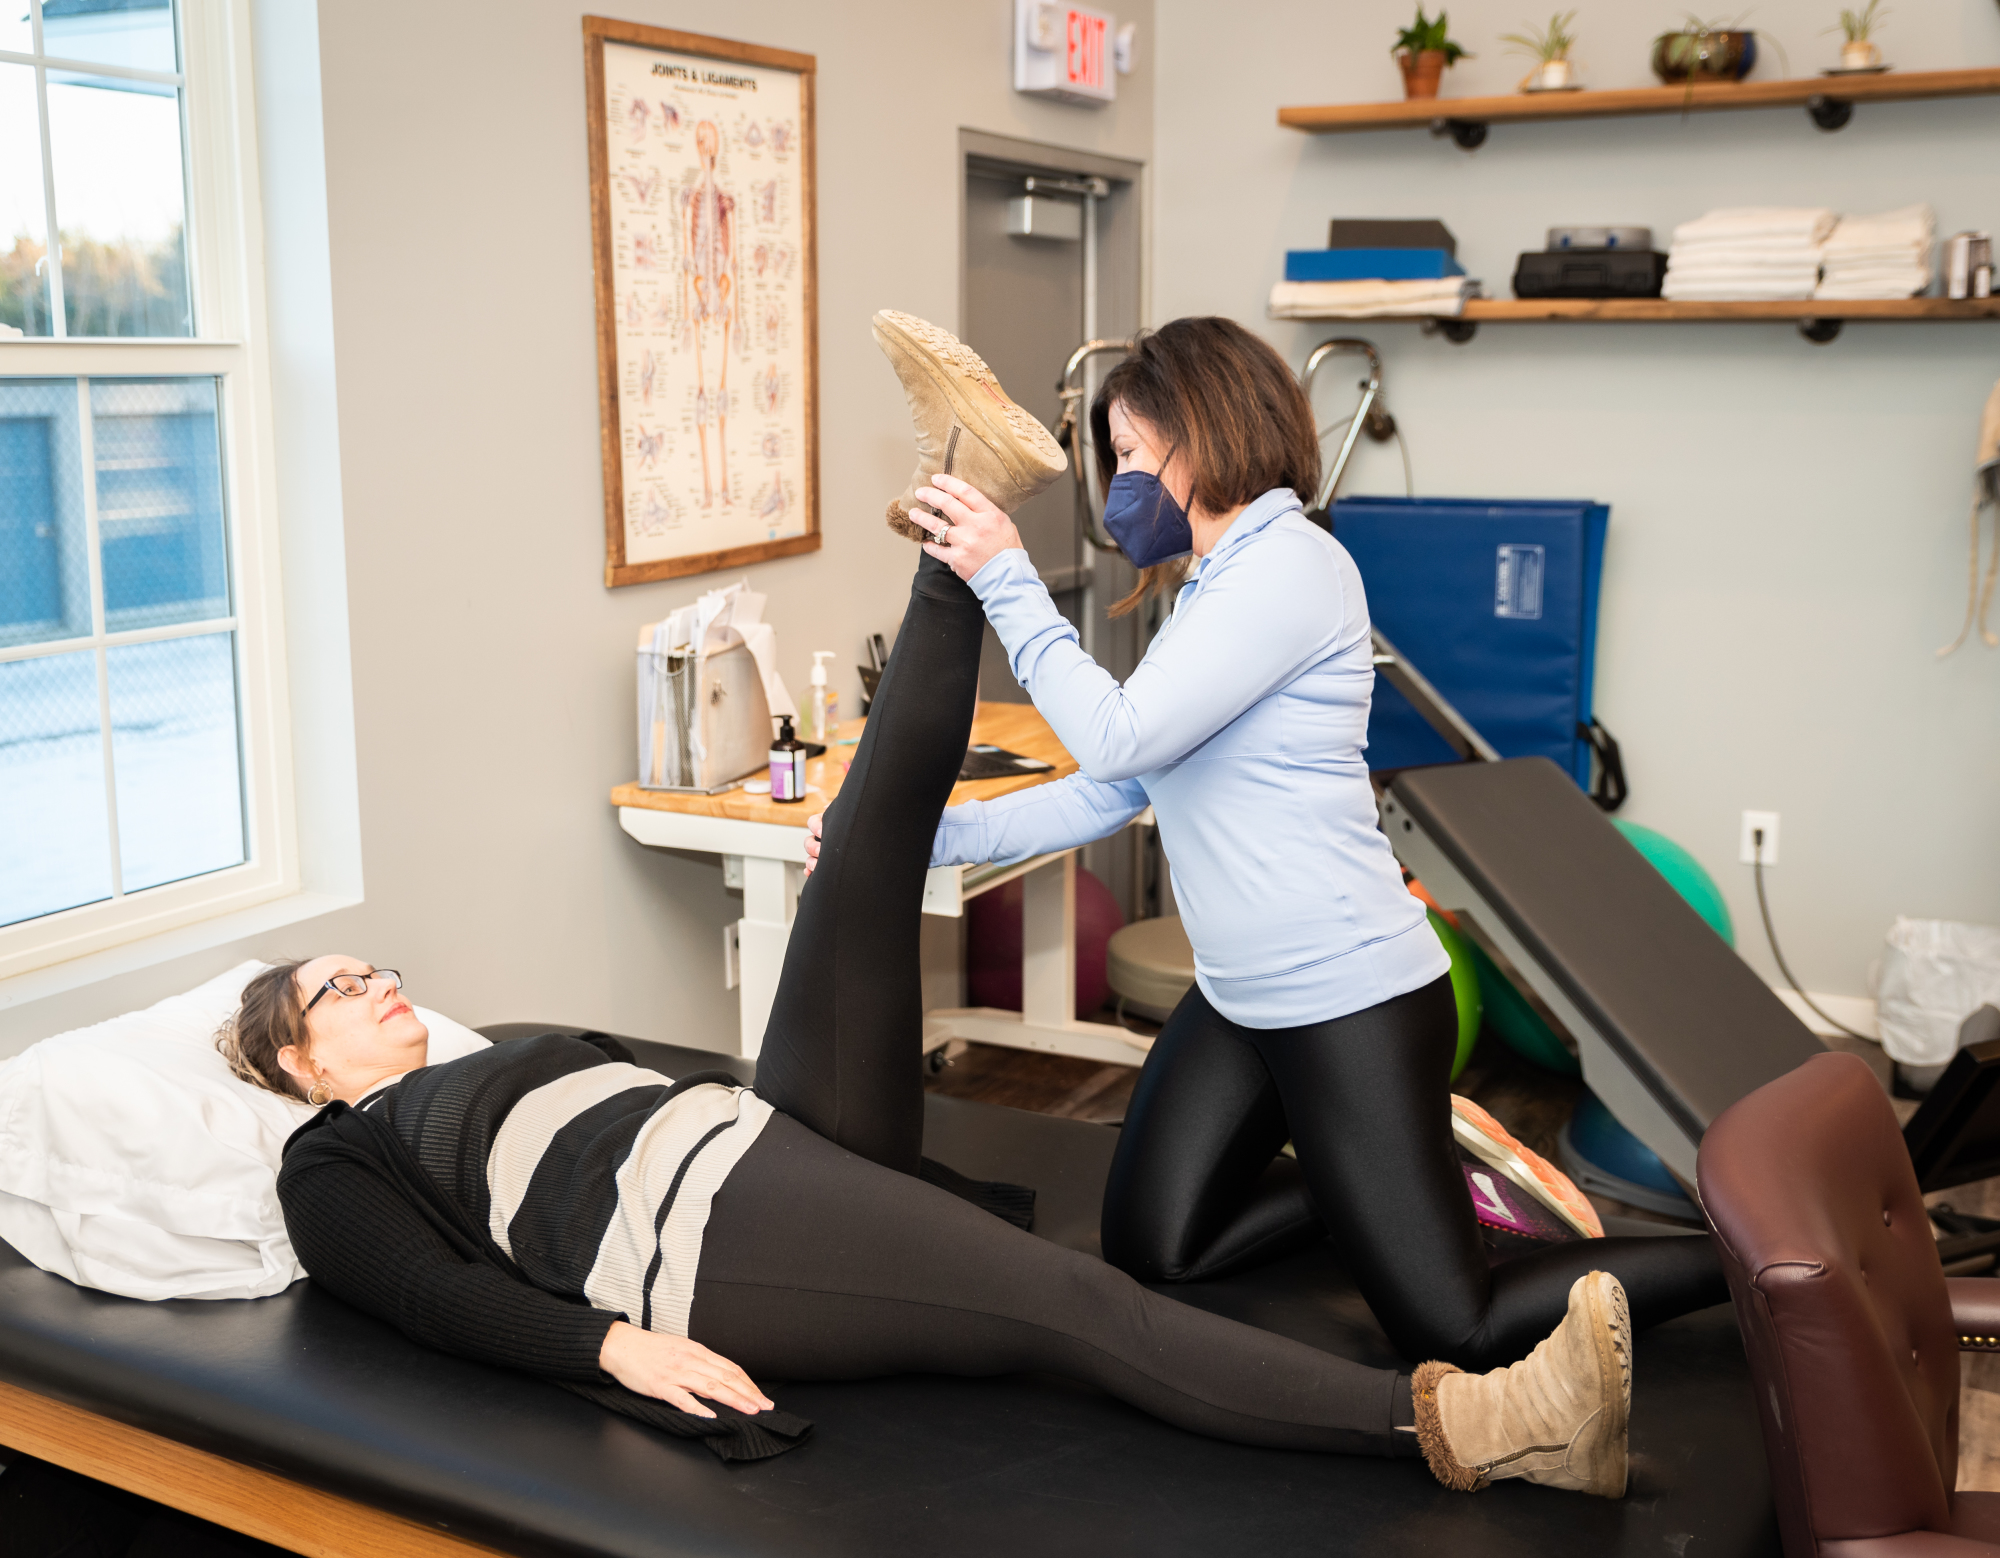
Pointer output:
225, 263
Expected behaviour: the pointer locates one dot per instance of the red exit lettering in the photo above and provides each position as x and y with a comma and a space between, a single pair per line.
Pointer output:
1085, 59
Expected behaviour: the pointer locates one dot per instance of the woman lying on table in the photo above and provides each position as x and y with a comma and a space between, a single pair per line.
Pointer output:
548, 1206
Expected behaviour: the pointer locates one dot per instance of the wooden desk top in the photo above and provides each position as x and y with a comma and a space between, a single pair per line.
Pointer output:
1015, 726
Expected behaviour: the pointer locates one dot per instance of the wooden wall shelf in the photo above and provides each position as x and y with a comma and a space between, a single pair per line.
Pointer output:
1829, 99
1818, 319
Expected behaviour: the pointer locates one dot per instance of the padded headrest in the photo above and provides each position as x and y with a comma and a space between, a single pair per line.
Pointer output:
1810, 1191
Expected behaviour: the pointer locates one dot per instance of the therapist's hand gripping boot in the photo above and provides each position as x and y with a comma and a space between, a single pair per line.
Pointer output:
1000, 448
1558, 1417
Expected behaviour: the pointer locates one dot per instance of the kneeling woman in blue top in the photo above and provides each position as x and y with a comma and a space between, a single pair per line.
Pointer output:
1322, 1010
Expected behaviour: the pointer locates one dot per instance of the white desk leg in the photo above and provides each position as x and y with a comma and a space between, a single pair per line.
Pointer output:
1047, 1020
770, 899
1048, 943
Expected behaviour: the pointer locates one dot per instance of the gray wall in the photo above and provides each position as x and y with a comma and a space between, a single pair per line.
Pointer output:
491, 669
1788, 520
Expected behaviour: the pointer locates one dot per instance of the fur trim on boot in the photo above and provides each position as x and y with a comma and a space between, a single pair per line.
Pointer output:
1444, 1466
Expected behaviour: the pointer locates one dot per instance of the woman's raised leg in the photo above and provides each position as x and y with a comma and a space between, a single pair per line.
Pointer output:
841, 1052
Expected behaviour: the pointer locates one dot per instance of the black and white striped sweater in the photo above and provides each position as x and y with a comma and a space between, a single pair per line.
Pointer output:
510, 1205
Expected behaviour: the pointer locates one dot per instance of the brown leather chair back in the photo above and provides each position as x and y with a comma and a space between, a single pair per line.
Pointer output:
1835, 1276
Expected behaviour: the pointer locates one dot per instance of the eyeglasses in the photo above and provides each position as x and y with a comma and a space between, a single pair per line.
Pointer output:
355, 984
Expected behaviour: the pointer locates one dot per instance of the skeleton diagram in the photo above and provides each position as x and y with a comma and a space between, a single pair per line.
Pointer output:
708, 304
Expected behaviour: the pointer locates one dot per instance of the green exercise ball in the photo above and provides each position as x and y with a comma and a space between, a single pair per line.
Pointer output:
1509, 1014
1683, 873
1464, 987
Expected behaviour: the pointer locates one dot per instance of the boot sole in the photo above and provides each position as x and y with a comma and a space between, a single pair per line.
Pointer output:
1611, 1337
1487, 1140
1026, 450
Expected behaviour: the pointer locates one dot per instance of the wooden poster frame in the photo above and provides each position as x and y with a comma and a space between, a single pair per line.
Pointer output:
597, 31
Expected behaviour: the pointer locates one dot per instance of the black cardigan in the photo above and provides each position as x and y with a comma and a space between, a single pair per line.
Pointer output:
373, 1228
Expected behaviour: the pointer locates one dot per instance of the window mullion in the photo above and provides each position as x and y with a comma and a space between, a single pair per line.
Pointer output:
87, 451
52, 257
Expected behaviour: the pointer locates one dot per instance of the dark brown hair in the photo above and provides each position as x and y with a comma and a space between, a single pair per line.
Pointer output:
270, 1018
1225, 407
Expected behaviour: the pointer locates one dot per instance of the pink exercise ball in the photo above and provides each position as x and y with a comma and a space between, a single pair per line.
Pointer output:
993, 945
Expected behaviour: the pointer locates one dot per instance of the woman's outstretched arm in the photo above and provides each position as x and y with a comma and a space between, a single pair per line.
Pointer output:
1071, 811
1265, 610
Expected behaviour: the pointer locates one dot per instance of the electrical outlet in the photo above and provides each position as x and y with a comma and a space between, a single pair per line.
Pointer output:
732, 952
1753, 822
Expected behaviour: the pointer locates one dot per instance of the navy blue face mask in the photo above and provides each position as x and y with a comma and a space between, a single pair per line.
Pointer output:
1145, 521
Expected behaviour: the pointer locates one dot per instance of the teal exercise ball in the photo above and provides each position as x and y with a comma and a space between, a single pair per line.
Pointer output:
1464, 988
1683, 873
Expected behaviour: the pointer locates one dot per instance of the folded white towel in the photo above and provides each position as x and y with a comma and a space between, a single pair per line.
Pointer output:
1902, 282
1370, 299
1877, 254
1911, 224
1758, 289
1781, 249
1809, 223
1721, 259
1887, 255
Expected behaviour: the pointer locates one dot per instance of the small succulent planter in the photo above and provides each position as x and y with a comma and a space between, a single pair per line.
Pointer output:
1425, 52
1423, 72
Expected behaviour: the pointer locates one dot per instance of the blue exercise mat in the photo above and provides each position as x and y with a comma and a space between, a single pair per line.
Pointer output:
1495, 603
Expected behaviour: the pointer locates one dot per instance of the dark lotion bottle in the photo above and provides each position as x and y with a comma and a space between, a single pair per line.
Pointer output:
788, 764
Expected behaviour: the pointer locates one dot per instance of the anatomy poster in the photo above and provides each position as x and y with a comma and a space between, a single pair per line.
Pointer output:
702, 166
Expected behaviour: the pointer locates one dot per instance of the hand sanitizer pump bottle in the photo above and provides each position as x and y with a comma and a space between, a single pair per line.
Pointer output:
823, 707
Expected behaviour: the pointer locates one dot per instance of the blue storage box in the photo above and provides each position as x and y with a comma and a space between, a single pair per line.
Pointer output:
1495, 603
1370, 265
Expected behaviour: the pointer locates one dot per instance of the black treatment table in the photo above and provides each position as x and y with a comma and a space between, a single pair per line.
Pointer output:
1672, 1027
305, 1422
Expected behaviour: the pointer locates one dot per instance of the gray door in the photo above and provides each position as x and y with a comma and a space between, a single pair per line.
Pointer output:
1025, 306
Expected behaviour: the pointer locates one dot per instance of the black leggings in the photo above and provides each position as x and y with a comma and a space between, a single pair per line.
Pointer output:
826, 1258
1197, 1188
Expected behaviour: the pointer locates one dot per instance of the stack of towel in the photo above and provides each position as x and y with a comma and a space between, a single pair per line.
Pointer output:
1886, 256
1751, 253
1443, 297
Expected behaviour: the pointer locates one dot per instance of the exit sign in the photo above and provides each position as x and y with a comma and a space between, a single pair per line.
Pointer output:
1064, 52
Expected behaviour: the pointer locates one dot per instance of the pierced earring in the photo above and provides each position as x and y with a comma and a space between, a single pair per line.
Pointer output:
319, 1094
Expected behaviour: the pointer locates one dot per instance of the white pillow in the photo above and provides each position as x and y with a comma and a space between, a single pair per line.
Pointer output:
133, 1160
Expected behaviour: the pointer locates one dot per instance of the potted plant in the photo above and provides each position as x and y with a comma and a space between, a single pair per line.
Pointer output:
1859, 51
1549, 48
1704, 51
1425, 51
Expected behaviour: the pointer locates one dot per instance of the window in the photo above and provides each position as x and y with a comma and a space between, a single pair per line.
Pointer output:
142, 783
96, 85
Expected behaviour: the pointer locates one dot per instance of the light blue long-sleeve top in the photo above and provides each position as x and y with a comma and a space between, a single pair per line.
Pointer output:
1243, 727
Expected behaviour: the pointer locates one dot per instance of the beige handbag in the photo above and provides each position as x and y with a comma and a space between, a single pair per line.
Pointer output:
704, 719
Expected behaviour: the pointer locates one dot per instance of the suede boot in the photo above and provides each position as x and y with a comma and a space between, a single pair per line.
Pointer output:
965, 423
1558, 1417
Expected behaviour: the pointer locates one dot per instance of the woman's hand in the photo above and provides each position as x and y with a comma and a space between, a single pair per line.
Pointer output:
674, 1370
812, 841
979, 532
